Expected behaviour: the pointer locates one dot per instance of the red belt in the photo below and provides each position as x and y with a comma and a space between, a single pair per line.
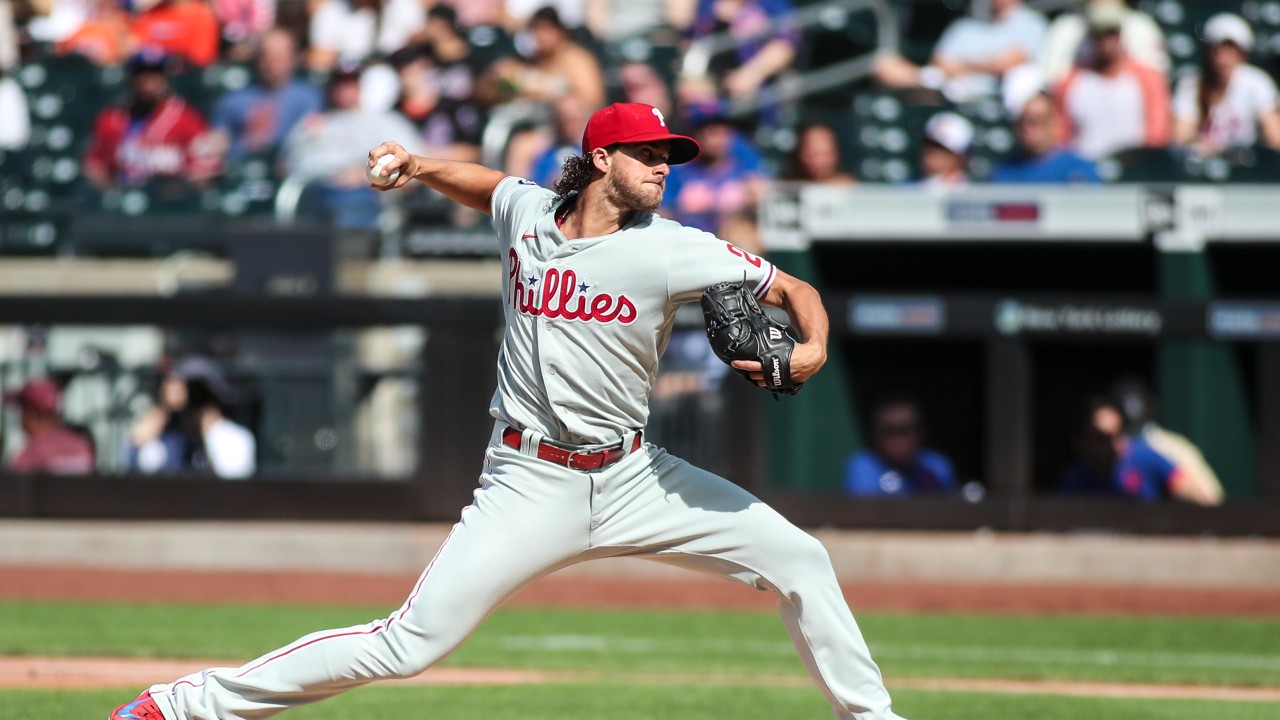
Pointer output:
575, 459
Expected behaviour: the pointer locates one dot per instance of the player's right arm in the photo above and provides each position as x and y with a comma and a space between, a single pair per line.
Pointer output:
465, 183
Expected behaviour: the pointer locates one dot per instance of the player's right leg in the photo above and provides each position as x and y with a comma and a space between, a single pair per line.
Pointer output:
681, 515
521, 525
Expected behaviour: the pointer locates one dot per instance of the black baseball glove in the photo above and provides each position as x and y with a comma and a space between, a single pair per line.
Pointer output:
739, 330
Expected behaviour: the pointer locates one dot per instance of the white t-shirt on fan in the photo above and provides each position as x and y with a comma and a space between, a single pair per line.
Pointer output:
1107, 112
1233, 121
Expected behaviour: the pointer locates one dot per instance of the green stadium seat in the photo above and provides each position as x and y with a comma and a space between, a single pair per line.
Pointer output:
15, 166
31, 233
191, 87
839, 37
925, 21
1145, 165
888, 130
1239, 165
56, 174
248, 188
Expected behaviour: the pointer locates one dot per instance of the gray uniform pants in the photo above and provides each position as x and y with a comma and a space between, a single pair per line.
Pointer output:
530, 518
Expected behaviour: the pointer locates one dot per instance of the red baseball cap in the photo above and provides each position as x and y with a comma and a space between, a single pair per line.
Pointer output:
39, 395
636, 123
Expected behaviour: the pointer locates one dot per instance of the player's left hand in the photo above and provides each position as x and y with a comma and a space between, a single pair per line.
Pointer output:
806, 360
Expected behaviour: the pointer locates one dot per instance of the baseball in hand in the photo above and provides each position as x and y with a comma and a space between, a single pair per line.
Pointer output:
378, 173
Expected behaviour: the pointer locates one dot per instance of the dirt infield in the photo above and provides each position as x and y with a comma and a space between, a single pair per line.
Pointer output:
66, 584
86, 673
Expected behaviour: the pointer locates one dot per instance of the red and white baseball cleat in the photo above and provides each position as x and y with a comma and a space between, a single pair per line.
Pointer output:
144, 708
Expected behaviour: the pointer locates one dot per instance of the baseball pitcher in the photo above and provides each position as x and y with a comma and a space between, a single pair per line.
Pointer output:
591, 282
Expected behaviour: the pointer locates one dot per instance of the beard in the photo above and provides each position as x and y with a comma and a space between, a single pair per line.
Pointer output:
142, 106
632, 197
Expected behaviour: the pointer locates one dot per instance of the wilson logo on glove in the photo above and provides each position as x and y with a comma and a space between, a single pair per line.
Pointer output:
738, 329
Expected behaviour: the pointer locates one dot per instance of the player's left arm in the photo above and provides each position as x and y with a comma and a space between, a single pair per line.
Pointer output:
802, 303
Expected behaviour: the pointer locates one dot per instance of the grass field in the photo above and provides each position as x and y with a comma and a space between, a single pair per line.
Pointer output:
648, 664
618, 701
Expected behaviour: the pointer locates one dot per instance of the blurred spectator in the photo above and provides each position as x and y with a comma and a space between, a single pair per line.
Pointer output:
613, 20
53, 21
570, 123
741, 72
454, 126
477, 13
726, 179
186, 29
1113, 463
256, 119
243, 23
816, 157
944, 154
1230, 103
1139, 34
557, 66
354, 31
8, 37
640, 83
188, 428
51, 446
897, 463
973, 53
330, 149
1039, 158
520, 13
419, 95
1201, 484
104, 37
153, 134
1109, 101
15, 130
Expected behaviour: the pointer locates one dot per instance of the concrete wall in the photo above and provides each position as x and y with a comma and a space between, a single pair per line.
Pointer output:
979, 557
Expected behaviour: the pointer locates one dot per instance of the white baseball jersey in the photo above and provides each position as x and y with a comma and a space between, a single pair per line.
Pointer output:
588, 319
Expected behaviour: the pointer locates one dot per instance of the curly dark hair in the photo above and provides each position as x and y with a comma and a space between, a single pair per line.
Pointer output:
577, 172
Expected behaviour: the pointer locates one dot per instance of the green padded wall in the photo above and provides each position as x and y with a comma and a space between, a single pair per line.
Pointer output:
1202, 388
811, 434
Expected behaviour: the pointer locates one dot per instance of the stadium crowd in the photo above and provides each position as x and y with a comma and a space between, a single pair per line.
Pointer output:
206, 88
320, 81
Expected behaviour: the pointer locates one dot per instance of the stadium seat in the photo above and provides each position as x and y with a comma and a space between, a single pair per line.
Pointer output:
1145, 165
993, 136
26, 232
1239, 165
248, 187
57, 174
840, 35
887, 131
15, 166
924, 21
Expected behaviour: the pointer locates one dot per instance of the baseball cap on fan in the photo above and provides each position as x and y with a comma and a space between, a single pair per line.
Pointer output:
636, 123
1226, 27
1105, 17
950, 131
41, 395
